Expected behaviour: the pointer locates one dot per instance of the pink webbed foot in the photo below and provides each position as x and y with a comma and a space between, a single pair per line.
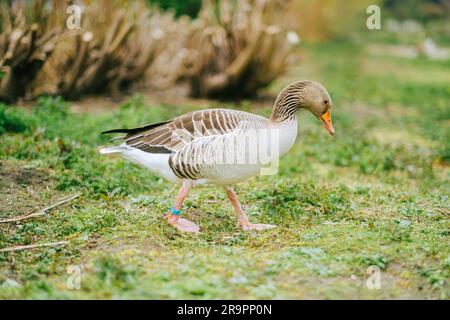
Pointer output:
181, 224
242, 217
256, 226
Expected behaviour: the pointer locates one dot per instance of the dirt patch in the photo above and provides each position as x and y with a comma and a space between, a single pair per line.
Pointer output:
22, 176
22, 188
176, 95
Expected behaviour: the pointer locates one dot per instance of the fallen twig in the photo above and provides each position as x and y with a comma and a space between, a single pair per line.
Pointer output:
32, 246
41, 212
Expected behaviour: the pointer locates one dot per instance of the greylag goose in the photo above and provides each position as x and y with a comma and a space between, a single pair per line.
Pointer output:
221, 146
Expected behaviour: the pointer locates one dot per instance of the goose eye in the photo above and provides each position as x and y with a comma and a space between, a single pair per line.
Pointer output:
325, 101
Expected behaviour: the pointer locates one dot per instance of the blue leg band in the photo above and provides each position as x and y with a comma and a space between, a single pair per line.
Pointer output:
175, 212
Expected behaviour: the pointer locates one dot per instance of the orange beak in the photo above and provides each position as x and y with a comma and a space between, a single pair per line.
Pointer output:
326, 120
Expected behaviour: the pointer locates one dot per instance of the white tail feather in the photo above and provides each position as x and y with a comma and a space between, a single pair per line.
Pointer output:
158, 163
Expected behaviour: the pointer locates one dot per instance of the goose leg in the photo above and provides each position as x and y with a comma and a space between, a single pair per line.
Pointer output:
175, 220
242, 217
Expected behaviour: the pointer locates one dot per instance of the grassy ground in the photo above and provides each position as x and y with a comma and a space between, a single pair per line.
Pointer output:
375, 195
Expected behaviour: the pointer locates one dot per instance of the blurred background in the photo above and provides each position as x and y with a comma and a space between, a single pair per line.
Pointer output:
374, 195
217, 49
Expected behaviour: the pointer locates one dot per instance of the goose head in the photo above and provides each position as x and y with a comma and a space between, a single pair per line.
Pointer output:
305, 94
316, 99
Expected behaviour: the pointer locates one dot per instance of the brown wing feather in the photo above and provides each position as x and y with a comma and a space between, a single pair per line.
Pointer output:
167, 137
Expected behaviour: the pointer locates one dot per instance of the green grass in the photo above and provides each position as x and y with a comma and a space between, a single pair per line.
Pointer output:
374, 195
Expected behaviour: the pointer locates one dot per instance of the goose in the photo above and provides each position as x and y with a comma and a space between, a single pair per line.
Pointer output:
222, 146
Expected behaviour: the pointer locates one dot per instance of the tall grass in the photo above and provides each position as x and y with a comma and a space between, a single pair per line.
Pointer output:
118, 43
27, 40
231, 49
